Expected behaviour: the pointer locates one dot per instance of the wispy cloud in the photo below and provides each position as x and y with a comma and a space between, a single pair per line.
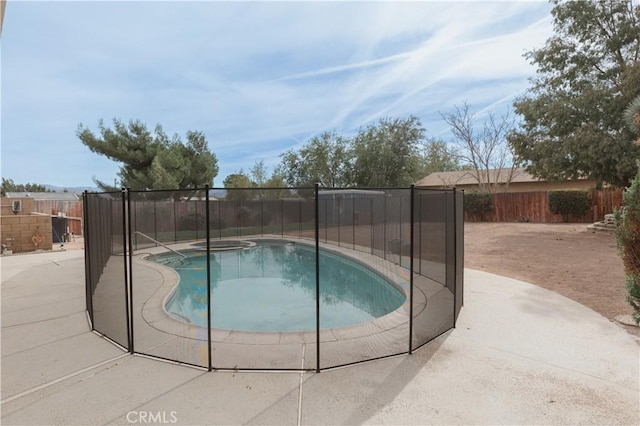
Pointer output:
347, 67
256, 77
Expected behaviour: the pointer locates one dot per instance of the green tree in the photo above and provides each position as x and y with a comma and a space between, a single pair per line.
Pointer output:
587, 74
236, 185
258, 173
387, 154
276, 188
325, 159
202, 164
437, 156
275, 181
152, 161
8, 185
271, 188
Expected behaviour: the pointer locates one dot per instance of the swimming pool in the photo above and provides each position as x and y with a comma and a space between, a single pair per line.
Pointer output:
270, 287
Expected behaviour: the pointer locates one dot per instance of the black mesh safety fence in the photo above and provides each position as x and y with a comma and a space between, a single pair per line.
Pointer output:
106, 249
262, 305
168, 275
432, 296
364, 287
274, 278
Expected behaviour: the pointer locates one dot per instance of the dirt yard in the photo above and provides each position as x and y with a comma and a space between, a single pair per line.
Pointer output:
566, 258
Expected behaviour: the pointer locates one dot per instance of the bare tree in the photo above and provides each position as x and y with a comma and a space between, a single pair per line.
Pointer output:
492, 161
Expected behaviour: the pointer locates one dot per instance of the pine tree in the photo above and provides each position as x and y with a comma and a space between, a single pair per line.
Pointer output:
153, 161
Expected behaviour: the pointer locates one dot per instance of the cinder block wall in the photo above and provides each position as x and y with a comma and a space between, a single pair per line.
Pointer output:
16, 230
28, 205
20, 228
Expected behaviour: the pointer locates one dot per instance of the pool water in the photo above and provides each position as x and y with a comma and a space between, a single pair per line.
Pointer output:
271, 287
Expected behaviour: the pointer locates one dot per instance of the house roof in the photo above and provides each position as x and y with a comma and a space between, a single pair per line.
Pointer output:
349, 191
53, 196
468, 177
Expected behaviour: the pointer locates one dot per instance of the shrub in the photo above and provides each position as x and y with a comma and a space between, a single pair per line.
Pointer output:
192, 221
565, 203
244, 213
478, 204
218, 224
628, 237
266, 218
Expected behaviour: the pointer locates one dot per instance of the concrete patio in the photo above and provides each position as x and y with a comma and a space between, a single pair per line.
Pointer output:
520, 355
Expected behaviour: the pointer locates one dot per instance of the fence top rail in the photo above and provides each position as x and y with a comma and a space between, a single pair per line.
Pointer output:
322, 189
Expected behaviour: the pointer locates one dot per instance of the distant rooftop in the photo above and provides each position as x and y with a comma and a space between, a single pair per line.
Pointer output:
467, 177
53, 196
349, 191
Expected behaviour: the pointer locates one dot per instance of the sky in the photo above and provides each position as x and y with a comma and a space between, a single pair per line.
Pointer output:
257, 78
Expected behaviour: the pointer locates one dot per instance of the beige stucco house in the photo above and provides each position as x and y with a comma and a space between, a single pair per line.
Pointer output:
520, 181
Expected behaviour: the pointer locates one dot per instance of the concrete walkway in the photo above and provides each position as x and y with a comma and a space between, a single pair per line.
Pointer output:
520, 355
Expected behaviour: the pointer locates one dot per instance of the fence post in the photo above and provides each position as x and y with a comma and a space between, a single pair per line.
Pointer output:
411, 241
458, 201
208, 236
129, 235
335, 203
454, 238
87, 256
420, 234
317, 231
123, 196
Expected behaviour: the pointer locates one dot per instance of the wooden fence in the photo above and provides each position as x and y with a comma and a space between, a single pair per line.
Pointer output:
71, 209
534, 207
507, 207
